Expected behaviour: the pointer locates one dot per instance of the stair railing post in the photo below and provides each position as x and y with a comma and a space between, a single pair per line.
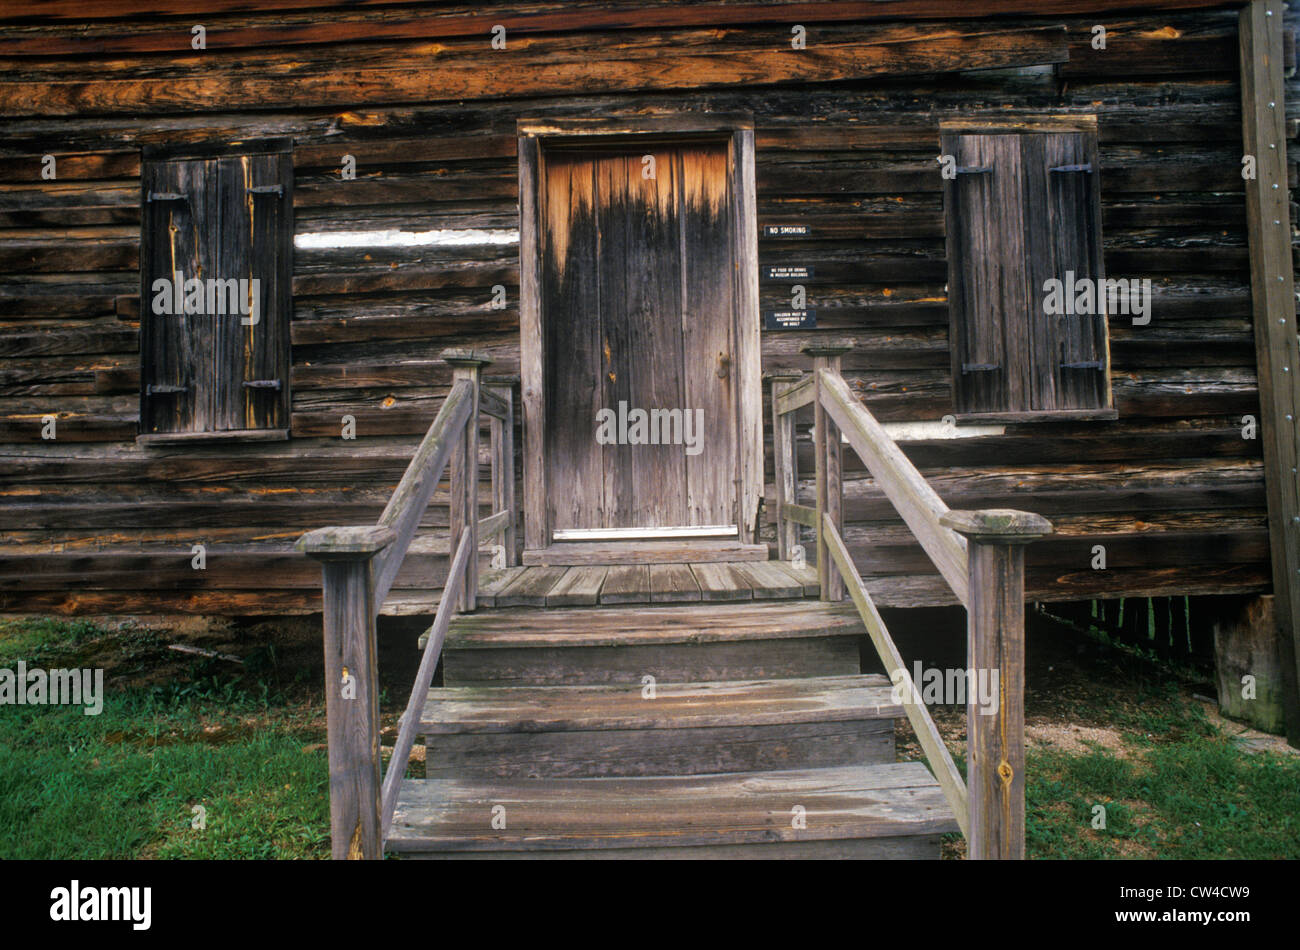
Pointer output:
785, 466
507, 454
351, 684
828, 454
995, 708
468, 365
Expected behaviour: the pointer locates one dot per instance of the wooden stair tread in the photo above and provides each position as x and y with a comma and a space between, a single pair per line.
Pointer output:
675, 706
649, 626
871, 801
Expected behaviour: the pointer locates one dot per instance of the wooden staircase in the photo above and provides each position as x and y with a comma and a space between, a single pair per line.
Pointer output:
714, 730
734, 724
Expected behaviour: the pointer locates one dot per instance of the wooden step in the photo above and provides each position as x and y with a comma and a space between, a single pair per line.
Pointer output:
690, 643
685, 729
604, 553
889, 810
644, 584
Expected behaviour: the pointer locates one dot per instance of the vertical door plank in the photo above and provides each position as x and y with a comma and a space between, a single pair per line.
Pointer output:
640, 305
572, 341
708, 334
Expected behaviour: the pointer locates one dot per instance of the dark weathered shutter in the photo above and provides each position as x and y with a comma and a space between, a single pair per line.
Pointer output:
986, 277
228, 218
1063, 226
1021, 210
255, 193
176, 355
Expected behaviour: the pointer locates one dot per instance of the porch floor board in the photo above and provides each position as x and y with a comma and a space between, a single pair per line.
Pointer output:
539, 586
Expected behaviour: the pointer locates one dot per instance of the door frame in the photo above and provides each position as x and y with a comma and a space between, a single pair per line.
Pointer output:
738, 129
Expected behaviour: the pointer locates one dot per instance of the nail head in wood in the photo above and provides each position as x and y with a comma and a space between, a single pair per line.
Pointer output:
998, 525
827, 348
360, 542
465, 357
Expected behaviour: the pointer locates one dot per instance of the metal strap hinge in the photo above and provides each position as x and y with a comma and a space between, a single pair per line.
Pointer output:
165, 389
974, 169
266, 190
262, 384
980, 367
1089, 364
1071, 168
167, 196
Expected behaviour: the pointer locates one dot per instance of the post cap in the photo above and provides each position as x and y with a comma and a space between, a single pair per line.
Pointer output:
355, 543
827, 347
458, 356
998, 525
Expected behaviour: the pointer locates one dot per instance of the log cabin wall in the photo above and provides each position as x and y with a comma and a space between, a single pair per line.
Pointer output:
94, 523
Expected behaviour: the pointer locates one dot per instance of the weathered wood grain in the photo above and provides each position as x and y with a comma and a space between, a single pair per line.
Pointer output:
1273, 301
865, 802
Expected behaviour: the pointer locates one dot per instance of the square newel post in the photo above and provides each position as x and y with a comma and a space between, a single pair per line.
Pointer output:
351, 683
995, 624
826, 451
466, 364
785, 465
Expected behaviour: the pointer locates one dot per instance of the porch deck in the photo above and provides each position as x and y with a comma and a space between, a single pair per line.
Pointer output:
646, 584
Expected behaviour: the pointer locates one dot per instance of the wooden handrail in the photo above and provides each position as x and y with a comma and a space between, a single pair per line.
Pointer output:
398, 761
906, 488
927, 734
359, 566
406, 506
979, 553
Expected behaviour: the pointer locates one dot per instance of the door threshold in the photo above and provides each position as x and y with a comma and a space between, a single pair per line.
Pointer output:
646, 534
683, 551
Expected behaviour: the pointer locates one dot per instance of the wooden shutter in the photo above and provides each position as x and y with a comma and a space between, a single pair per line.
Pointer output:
226, 218
175, 348
986, 276
1063, 227
1021, 209
255, 243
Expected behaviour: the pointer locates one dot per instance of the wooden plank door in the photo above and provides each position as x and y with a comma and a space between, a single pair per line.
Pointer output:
638, 313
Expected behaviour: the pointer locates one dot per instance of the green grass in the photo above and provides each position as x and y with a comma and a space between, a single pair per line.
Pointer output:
178, 732
1178, 788
125, 783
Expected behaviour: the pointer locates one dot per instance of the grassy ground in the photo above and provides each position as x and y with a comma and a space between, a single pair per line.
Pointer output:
1175, 779
187, 759
244, 742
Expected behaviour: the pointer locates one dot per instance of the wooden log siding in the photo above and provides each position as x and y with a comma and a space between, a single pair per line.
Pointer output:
854, 161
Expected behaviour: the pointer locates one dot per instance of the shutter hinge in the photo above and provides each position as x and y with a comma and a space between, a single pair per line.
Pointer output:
979, 367
167, 196
266, 190
1089, 364
974, 169
262, 384
165, 389
1071, 168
